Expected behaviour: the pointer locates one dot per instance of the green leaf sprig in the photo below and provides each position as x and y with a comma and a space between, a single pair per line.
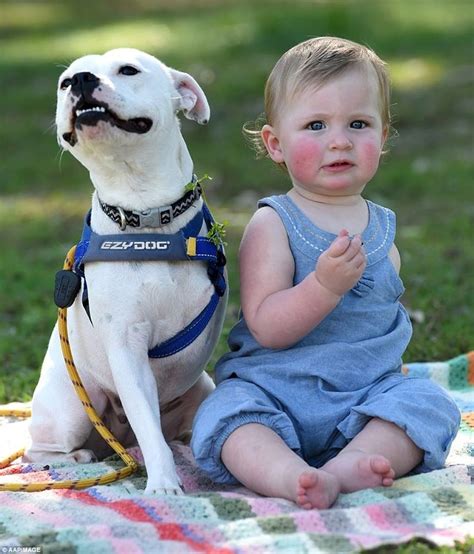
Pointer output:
217, 232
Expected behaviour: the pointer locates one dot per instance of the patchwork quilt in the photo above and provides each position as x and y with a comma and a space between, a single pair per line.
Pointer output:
119, 518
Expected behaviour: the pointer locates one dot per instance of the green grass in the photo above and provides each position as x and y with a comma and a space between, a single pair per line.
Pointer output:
230, 48
422, 546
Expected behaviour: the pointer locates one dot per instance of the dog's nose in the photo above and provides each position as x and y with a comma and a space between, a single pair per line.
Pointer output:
84, 82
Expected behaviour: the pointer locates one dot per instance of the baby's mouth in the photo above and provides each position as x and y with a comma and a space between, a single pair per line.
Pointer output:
340, 165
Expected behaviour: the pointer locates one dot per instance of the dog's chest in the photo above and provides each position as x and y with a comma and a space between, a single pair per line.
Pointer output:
137, 306
156, 292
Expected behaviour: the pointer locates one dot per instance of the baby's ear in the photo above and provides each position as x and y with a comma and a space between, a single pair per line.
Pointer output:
191, 98
272, 144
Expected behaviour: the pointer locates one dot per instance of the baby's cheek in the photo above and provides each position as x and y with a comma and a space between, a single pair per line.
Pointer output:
371, 153
305, 155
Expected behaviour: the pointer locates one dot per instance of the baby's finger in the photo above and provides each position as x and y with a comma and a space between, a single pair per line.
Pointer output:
360, 260
339, 245
354, 248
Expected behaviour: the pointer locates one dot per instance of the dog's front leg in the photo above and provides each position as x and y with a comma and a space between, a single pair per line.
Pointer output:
137, 389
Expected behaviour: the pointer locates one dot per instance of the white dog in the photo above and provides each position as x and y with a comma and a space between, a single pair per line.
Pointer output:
116, 113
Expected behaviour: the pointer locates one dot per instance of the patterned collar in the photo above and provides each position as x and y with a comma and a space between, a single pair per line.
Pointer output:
153, 217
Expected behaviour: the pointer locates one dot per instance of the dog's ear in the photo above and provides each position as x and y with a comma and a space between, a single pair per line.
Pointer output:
191, 98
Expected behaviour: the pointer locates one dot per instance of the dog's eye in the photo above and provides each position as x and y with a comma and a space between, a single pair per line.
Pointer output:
128, 70
65, 84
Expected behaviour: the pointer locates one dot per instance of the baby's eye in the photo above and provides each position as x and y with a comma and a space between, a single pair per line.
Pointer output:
316, 126
358, 124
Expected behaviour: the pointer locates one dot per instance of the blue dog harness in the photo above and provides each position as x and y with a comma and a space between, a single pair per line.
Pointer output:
186, 244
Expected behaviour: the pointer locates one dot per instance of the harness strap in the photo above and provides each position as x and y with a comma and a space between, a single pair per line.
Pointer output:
135, 247
188, 335
186, 244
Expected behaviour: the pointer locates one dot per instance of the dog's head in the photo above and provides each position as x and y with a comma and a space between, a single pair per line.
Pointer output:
121, 97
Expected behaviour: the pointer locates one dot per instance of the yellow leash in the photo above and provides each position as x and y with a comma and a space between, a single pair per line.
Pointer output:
130, 463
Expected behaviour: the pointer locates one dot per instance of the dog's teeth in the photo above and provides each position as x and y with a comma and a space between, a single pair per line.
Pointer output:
94, 109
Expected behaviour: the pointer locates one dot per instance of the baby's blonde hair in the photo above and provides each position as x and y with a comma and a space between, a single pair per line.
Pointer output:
313, 63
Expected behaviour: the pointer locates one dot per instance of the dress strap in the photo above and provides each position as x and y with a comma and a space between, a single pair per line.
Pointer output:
311, 240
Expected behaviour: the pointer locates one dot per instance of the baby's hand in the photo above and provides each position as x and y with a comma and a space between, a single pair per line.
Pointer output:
340, 267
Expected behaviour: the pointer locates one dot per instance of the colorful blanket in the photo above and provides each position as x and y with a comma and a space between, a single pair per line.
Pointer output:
119, 518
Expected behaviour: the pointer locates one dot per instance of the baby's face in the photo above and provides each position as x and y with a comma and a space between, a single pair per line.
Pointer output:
331, 137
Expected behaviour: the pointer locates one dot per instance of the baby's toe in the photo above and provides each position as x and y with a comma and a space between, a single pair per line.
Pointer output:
307, 480
387, 481
380, 465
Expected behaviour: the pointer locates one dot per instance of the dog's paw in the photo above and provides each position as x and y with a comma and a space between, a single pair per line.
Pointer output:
171, 491
81, 456
170, 486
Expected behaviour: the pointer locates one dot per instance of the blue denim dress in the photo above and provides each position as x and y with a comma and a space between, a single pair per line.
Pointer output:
319, 393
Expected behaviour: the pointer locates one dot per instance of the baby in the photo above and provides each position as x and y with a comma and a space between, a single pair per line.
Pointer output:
311, 401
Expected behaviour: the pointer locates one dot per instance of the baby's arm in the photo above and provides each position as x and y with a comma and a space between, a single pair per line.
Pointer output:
279, 314
394, 256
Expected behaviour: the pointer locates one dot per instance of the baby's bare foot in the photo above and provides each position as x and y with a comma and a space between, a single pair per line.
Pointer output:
316, 489
375, 471
358, 470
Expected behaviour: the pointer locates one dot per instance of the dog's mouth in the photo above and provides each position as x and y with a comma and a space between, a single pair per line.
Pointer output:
90, 114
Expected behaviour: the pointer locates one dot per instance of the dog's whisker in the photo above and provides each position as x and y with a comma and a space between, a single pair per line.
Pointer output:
51, 126
62, 66
60, 154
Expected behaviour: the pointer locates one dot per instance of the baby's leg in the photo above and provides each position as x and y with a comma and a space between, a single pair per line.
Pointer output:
262, 461
374, 457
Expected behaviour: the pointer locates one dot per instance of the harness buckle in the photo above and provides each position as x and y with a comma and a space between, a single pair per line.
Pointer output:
156, 217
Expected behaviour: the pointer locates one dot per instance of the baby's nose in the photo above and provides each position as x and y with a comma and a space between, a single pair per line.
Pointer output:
340, 141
